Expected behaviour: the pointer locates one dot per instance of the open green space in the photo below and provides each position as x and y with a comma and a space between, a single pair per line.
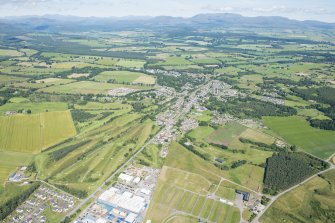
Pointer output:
36, 132
88, 87
124, 77
181, 190
297, 131
9, 161
225, 134
34, 107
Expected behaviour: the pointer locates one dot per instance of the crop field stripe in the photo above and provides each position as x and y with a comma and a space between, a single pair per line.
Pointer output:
171, 195
228, 212
191, 203
206, 208
198, 206
194, 204
186, 201
222, 213
182, 200
177, 198
214, 212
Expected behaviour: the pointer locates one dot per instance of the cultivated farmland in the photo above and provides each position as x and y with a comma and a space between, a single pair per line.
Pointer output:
297, 131
34, 133
125, 77
224, 135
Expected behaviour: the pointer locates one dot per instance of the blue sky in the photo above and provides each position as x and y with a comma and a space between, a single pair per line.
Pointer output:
323, 10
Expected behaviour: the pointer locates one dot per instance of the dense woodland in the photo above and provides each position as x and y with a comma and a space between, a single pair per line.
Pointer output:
285, 169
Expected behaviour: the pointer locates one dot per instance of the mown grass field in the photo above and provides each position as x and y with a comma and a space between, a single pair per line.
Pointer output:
88, 87
125, 77
16, 105
36, 132
6, 79
224, 135
10, 53
101, 106
296, 130
44, 83
201, 132
299, 205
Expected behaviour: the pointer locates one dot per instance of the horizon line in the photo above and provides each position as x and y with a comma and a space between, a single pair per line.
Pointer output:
163, 15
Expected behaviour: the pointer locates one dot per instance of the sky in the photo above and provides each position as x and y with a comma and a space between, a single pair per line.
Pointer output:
322, 10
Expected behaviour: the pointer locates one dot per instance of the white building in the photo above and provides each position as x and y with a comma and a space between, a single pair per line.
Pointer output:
126, 178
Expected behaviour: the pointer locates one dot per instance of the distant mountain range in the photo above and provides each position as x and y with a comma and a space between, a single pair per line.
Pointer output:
201, 21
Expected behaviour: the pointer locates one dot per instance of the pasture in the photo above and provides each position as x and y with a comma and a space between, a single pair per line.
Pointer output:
125, 77
201, 132
36, 132
102, 106
87, 87
33, 106
43, 83
130, 63
296, 131
7, 79
224, 135
10, 53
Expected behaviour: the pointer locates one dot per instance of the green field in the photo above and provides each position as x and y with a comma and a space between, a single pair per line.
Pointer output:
36, 132
9, 53
16, 105
125, 77
101, 106
247, 174
9, 161
87, 87
296, 130
183, 191
201, 132
224, 135
150, 156
43, 83
311, 202
108, 142
6, 79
